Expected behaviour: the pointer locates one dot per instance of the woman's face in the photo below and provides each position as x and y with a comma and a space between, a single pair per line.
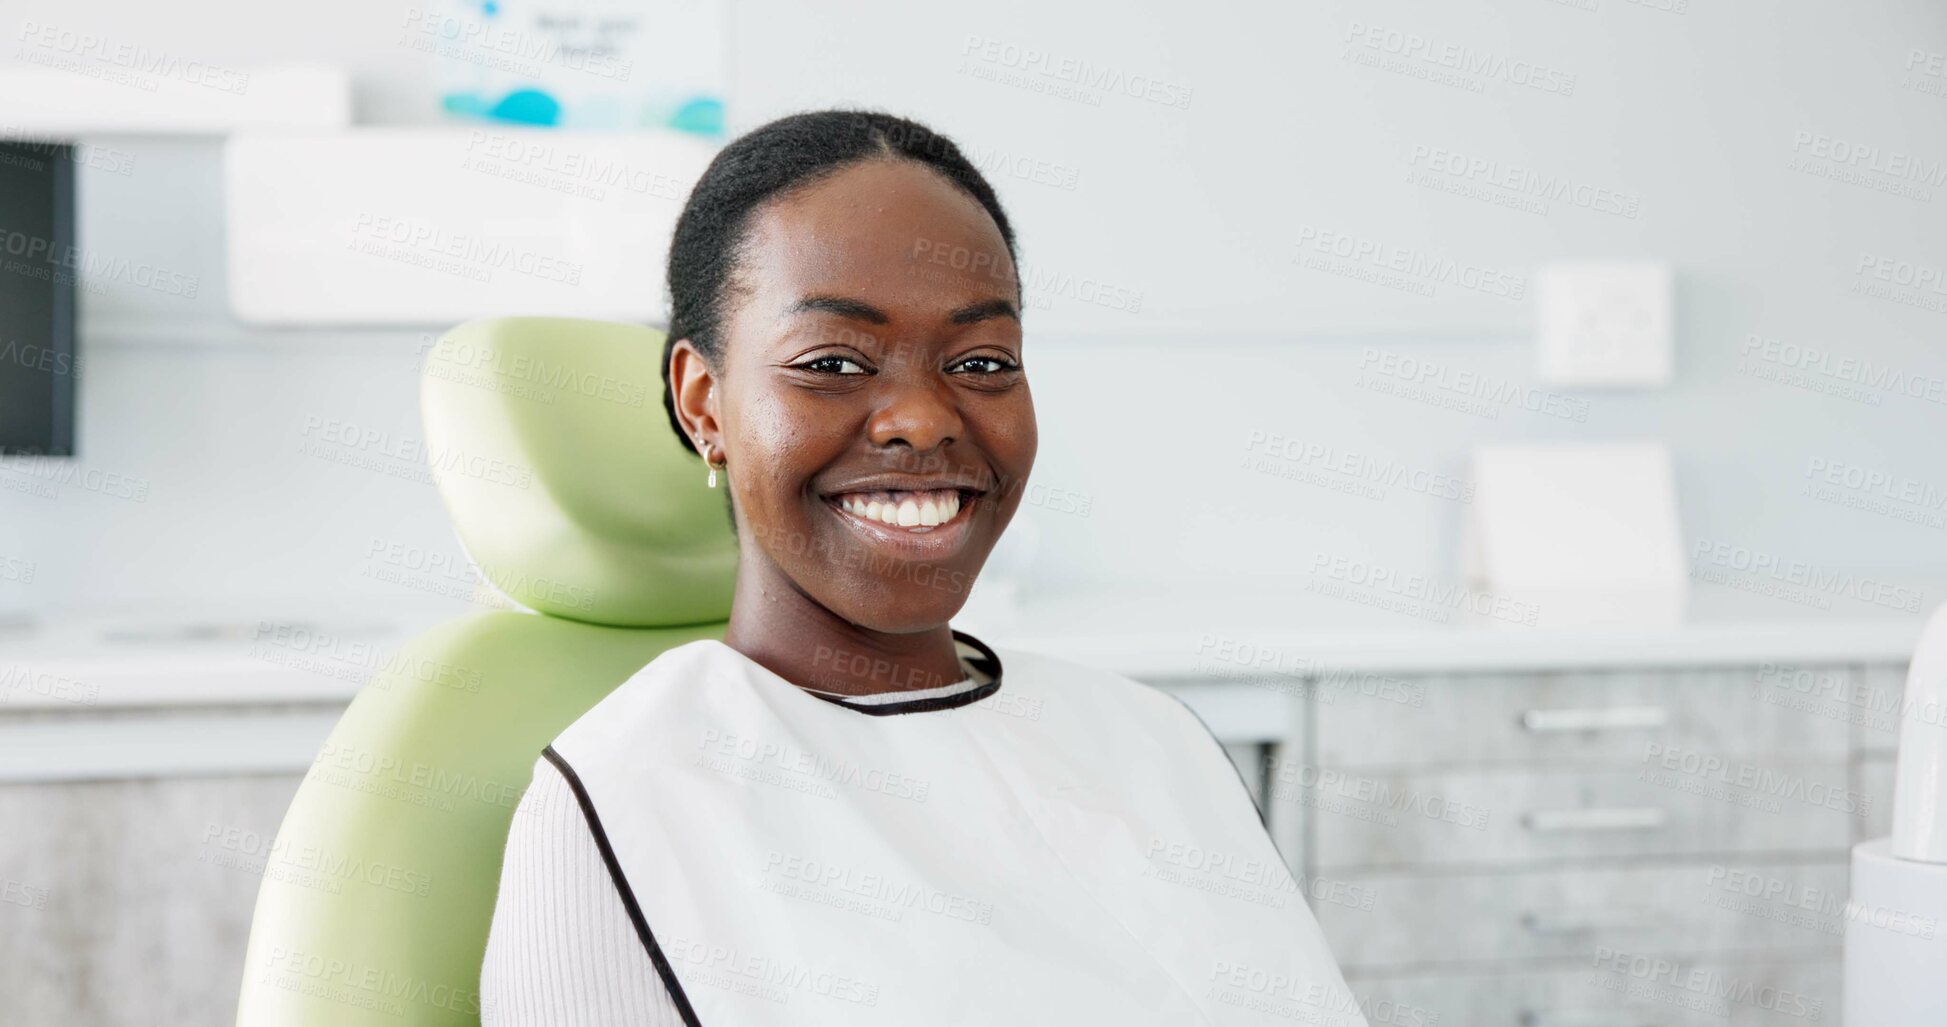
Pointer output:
871, 405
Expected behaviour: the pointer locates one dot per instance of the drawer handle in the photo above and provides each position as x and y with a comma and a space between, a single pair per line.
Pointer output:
1572, 921
1595, 718
1612, 818
1578, 1018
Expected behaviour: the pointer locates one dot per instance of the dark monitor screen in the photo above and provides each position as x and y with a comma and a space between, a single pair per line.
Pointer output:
37, 286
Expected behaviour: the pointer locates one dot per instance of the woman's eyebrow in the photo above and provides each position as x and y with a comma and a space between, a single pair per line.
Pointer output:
982, 311
859, 310
841, 306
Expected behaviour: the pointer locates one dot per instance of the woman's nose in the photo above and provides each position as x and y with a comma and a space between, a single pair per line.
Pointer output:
923, 414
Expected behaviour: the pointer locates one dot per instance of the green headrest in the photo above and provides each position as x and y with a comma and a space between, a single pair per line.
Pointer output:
564, 480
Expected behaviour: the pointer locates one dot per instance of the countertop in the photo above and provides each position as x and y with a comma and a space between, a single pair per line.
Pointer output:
1154, 632
1147, 632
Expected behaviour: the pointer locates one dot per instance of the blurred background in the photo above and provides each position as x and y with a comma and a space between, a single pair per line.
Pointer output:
1407, 373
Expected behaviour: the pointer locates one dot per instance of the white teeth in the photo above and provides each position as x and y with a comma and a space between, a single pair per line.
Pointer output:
904, 509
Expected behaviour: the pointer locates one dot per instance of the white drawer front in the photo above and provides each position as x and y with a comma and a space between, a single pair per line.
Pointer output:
1584, 716
1502, 816
1614, 988
1388, 921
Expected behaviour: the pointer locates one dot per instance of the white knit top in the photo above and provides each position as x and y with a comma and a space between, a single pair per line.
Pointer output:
562, 949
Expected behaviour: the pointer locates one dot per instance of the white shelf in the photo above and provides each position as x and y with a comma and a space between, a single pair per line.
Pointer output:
78, 96
414, 226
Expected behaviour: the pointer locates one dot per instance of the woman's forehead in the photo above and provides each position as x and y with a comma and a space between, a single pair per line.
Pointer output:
885, 232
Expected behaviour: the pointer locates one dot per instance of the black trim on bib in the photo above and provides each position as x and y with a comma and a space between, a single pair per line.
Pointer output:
663, 969
1263, 818
988, 663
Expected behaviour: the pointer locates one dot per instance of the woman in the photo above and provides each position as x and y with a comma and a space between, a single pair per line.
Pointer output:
847, 812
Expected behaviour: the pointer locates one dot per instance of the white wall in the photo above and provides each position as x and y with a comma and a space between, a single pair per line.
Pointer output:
1198, 210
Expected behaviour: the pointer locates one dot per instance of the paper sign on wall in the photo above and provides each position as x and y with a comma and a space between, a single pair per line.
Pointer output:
1588, 534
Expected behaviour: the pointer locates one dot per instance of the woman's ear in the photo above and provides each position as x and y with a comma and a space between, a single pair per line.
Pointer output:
693, 385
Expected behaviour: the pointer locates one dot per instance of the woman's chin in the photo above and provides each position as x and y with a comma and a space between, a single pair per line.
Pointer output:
904, 615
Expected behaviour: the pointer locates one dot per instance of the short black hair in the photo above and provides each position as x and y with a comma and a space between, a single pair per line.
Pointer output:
775, 158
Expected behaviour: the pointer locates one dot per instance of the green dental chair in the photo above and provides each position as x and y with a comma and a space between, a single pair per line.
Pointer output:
575, 499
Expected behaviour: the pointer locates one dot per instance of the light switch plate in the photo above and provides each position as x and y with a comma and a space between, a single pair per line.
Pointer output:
1606, 323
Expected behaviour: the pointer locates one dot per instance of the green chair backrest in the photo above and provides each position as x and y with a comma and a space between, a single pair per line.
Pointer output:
574, 498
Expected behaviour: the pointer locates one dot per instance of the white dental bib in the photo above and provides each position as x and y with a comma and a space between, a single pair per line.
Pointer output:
1059, 845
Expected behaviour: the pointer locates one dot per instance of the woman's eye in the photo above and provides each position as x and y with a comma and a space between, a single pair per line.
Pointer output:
833, 365
989, 365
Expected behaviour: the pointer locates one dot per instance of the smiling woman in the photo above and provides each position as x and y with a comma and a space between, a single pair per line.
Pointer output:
823, 817
881, 398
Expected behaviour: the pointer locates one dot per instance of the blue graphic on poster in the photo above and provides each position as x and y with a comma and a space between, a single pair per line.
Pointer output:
578, 64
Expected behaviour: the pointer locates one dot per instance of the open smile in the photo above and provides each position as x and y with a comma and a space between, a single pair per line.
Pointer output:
934, 521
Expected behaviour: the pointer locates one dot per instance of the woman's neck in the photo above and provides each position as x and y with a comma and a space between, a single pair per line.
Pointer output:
791, 634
